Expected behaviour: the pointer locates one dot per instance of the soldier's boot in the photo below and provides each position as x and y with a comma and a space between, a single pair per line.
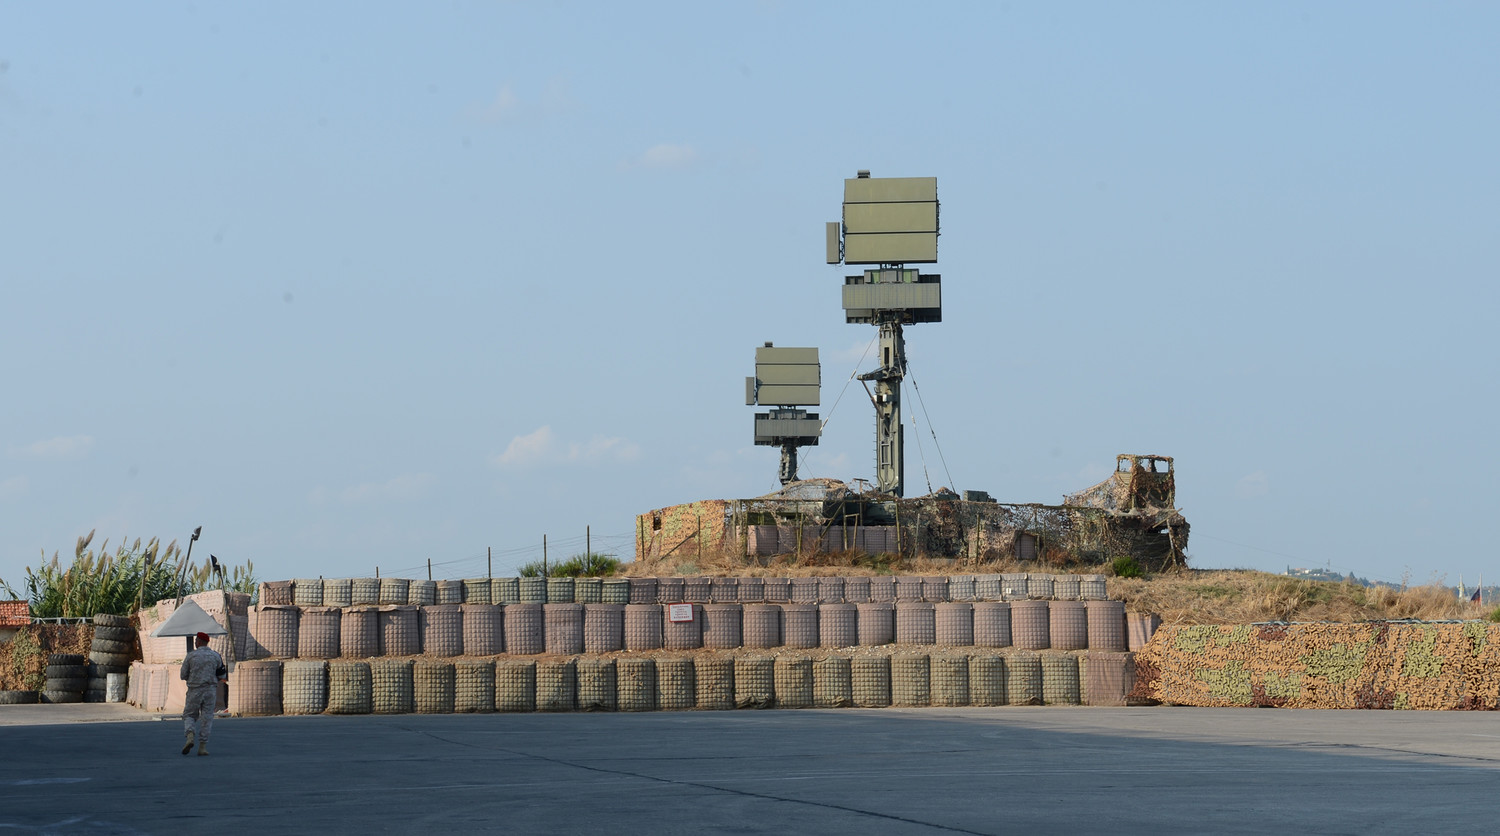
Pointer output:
188, 746
203, 746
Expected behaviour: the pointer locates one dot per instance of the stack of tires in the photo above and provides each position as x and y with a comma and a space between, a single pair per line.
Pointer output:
67, 677
112, 652
17, 697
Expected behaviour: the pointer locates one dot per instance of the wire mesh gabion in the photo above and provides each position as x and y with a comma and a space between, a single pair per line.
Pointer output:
682, 635
1065, 587
915, 623
934, 589
762, 625
911, 679
754, 682
603, 628
1030, 625
1039, 586
987, 679
1108, 678
1093, 588
307, 592
505, 590
876, 623
394, 590
992, 624
275, 592
476, 591
857, 590
676, 688
364, 591
838, 625
722, 626
1023, 679
531, 590
642, 591
432, 686
751, 590
559, 590
484, 629
588, 590
596, 684
799, 625
473, 686
391, 686
349, 688
793, 681
338, 592
643, 626
1141, 627
442, 630
1106, 625
961, 588
724, 591
988, 588
830, 590
1060, 679
870, 681
635, 684
556, 685
670, 590
515, 685
804, 591
563, 627
422, 593
616, 591
950, 679
697, 590
1068, 625
908, 589
714, 677
883, 590
256, 691
274, 629
1013, 586
448, 592
953, 623
832, 682
318, 633
524, 629
777, 590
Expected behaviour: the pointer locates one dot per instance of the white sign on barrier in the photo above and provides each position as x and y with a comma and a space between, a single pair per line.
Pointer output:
677, 613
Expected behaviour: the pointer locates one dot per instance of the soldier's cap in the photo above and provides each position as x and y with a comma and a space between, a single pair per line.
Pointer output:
203, 637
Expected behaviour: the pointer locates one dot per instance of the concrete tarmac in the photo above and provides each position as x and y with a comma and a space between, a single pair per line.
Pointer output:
970, 770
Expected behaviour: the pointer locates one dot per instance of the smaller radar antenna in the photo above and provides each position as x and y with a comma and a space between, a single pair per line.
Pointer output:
785, 379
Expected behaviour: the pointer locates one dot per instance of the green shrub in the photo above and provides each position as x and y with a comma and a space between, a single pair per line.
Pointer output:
1126, 566
591, 565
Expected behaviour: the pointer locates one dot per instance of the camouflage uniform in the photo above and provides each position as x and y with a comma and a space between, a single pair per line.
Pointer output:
200, 669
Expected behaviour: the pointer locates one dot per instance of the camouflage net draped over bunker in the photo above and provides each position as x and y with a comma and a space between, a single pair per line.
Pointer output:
1446, 665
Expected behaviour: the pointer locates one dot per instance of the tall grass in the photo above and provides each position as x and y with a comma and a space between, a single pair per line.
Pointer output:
591, 565
99, 582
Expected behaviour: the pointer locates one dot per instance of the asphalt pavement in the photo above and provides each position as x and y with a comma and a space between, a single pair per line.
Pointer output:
96, 769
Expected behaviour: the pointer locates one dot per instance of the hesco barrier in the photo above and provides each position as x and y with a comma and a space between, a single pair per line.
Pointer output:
449, 592
484, 629
588, 590
792, 680
992, 624
1068, 626
762, 625
1452, 665
596, 685
515, 685
473, 686
1060, 679
432, 686
876, 623
870, 681
635, 684
722, 626
400, 632
523, 628
682, 635
838, 625
754, 682
338, 592
563, 625
318, 633
833, 682
557, 685
643, 626
911, 680
256, 691
954, 623
714, 677
476, 591
799, 624
391, 686
304, 687
676, 685
349, 688
915, 623
359, 632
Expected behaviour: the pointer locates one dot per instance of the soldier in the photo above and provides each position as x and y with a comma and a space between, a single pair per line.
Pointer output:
203, 669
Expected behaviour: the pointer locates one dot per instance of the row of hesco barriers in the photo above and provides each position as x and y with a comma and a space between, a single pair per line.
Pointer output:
703, 681
278, 631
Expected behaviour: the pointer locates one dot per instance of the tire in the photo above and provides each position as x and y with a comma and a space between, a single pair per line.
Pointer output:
71, 683
114, 634
97, 683
66, 671
93, 696
97, 671
112, 660
58, 697
107, 646
104, 619
65, 659
18, 697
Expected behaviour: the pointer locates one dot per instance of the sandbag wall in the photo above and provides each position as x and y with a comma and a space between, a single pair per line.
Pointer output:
706, 681
1443, 665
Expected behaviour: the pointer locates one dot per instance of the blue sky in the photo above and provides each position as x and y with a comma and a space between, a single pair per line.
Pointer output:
365, 285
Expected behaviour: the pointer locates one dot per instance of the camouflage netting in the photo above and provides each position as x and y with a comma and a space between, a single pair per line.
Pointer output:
1451, 665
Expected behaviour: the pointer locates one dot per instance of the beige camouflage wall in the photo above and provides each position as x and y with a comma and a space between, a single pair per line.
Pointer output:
1373, 665
683, 529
